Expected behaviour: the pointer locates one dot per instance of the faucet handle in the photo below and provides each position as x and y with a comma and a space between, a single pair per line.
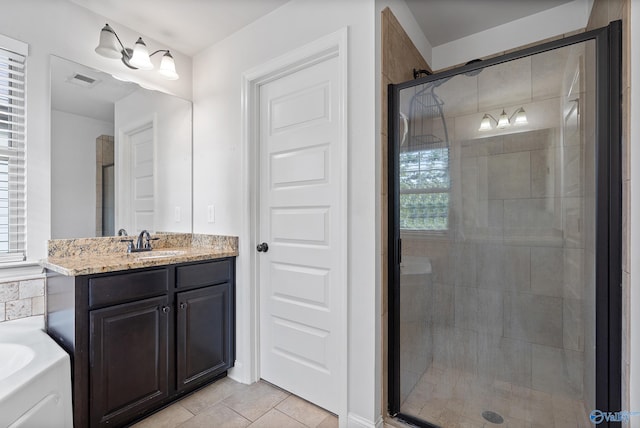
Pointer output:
148, 242
129, 245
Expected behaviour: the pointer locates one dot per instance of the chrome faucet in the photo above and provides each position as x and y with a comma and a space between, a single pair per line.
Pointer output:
142, 244
122, 232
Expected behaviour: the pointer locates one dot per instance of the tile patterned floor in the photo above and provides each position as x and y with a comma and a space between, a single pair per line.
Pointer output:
455, 399
448, 398
229, 404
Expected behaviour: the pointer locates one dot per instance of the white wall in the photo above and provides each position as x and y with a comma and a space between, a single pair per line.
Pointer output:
634, 225
217, 180
172, 157
62, 28
73, 173
549, 23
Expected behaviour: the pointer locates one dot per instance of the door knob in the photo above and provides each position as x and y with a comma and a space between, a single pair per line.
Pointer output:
262, 248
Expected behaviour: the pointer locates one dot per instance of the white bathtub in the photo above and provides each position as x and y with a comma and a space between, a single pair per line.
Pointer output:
35, 377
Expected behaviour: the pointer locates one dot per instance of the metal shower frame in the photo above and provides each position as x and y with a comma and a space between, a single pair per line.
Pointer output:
608, 376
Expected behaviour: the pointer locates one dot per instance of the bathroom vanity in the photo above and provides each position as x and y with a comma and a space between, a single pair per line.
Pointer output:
142, 329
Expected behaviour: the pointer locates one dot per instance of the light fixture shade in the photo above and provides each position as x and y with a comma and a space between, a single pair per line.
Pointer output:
108, 46
168, 67
503, 120
521, 117
485, 124
137, 58
140, 57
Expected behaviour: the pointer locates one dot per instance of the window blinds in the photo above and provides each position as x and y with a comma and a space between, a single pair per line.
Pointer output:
12, 157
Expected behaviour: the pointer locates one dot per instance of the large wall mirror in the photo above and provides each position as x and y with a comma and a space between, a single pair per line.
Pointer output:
120, 155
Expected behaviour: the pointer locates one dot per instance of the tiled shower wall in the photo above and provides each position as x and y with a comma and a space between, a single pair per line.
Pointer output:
20, 299
507, 297
416, 329
104, 157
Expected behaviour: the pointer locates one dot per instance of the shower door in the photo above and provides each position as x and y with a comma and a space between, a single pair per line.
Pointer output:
505, 239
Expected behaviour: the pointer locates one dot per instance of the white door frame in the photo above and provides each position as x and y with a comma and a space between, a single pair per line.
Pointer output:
333, 45
122, 170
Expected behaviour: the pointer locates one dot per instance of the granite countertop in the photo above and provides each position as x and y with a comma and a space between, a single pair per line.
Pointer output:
86, 256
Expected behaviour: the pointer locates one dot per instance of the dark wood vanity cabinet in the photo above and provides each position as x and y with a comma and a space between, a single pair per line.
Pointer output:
128, 370
204, 345
205, 328
140, 339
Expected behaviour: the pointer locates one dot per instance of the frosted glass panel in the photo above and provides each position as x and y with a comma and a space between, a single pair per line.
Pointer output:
497, 280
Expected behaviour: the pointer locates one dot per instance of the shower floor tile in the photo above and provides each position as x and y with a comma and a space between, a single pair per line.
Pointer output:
455, 399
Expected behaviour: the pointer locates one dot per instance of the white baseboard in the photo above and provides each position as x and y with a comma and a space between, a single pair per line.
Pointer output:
238, 373
357, 421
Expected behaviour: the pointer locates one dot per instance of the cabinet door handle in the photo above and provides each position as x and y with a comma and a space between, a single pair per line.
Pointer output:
262, 248
166, 309
183, 305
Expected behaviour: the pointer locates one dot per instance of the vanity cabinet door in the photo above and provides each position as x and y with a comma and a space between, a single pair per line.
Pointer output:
204, 334
128, 361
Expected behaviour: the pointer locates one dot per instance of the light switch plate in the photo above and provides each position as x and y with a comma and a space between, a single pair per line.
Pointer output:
211, 214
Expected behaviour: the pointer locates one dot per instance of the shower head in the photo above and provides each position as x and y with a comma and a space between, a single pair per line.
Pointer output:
473, 72
418, 73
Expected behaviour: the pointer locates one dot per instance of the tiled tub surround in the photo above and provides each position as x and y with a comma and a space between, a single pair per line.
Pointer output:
20, 299
86, 256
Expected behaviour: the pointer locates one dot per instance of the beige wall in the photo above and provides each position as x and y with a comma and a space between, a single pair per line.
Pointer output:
399, 58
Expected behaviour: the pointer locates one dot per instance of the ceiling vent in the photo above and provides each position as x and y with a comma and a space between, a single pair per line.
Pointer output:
83, 80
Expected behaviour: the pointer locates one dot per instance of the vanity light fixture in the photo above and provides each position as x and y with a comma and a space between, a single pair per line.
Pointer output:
503, 120
137, 58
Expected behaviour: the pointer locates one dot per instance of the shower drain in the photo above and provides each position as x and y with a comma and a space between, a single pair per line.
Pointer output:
492, 417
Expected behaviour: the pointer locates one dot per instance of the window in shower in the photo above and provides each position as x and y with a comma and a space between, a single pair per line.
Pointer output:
424, 162
424, 189
509, 316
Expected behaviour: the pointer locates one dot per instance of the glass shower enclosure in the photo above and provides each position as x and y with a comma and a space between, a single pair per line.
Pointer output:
504, 239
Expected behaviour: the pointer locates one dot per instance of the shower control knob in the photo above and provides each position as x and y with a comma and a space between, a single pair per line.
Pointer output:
262, 248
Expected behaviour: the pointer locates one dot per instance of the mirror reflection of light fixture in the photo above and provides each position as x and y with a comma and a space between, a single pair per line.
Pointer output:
110, 46
503, 120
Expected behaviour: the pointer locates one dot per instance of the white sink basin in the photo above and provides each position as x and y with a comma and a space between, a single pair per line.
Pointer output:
158, 254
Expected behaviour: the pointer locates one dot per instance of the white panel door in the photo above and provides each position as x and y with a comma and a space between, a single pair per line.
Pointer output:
301, 187
142, 180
